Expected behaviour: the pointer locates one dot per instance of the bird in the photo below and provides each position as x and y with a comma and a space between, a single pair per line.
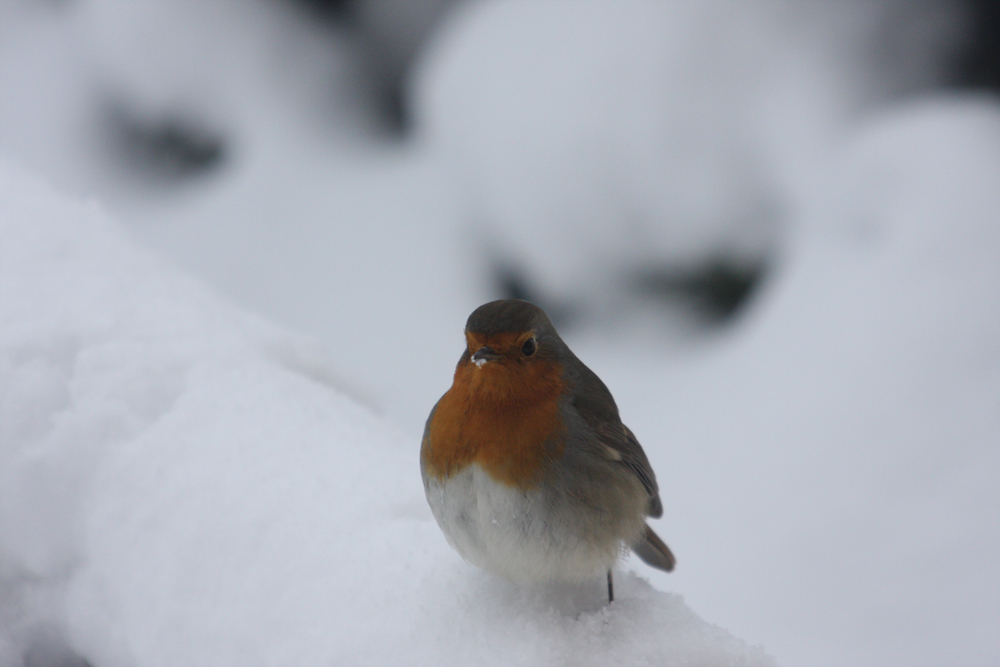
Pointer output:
527, 467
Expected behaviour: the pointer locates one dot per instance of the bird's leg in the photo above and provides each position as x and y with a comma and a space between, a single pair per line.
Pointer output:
611, 589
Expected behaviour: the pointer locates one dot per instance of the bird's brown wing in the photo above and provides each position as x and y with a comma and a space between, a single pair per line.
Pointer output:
619, 438
594, 403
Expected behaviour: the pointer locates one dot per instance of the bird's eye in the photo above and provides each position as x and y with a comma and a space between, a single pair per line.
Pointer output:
529, 347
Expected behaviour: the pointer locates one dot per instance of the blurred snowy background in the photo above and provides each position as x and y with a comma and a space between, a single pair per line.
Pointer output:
771, 226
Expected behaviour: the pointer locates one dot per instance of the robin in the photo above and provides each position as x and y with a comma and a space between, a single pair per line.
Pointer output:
527, 466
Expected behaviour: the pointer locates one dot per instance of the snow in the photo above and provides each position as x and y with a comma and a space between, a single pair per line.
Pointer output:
174, 492
830, 469
598, 139
182, 481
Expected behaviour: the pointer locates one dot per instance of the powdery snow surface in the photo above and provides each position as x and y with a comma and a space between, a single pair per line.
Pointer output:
175, 491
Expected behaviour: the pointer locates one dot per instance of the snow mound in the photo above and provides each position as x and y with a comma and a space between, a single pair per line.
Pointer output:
837, 460
599, 139
184, 484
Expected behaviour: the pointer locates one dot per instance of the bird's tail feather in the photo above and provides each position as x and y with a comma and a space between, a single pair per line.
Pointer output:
654, 552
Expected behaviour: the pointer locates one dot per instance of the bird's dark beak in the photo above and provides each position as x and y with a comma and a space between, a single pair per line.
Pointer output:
484, 354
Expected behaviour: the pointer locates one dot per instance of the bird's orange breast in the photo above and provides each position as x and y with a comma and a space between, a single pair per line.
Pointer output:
503, 416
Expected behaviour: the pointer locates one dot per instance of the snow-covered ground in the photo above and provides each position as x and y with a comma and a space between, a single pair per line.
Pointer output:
175, 491
184, 482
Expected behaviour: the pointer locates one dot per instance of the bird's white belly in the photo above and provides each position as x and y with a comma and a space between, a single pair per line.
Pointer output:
522, 535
